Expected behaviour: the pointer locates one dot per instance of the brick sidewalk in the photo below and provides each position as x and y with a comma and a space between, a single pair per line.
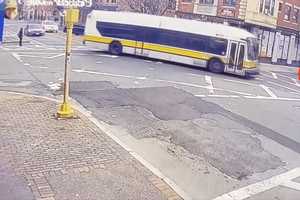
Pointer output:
49, 159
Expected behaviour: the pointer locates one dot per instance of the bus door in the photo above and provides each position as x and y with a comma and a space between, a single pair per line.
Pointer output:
236, 58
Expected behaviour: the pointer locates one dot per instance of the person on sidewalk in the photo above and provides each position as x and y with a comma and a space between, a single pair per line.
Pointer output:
20, 36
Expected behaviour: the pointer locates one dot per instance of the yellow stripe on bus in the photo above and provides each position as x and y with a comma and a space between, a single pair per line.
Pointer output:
249, 64
92, 38
153, 47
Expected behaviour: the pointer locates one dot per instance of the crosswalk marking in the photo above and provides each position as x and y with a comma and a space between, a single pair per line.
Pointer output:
256, 188
268, 90
274, 75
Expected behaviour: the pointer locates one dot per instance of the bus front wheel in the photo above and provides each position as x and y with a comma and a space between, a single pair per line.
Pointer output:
115, 48
216, 66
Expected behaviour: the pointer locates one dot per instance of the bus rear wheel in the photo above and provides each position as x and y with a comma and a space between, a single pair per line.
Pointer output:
115, 48
216, 66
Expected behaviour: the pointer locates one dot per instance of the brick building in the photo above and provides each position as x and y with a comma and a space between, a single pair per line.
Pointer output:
275, 22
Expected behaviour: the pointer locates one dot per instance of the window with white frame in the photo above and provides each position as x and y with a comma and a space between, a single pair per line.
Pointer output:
229, 2
267, 7
296, 15
287, 12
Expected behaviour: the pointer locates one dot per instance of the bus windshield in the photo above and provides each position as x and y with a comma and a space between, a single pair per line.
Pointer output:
253, 48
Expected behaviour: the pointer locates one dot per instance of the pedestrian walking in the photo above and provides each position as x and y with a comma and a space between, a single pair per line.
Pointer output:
20, 36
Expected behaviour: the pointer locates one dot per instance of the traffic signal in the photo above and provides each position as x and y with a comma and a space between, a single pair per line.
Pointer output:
10, 10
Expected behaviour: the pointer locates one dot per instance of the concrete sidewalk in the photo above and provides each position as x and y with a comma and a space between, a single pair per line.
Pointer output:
49, 159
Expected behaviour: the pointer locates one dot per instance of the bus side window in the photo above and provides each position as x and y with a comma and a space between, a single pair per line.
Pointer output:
217, 46
116, 30
150, 35
197, 44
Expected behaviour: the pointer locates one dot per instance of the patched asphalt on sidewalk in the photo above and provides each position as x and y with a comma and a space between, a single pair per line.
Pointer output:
227, 141
68, 159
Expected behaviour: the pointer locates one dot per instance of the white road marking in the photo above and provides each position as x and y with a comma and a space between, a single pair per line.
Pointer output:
39, 55
54, 86
200, 95
292, 79
292, 184
99, 62
181, 83
233, 91
108, 74
256, 188
284, 76
296, 82
43, 67
56, 56
241, 82
210, 87
26, 64
224, 96
17, 84
279, 85
36, 53
268, 90
108, 56
260, 79
271, 98
158, 80
141, 78
265, 75
17, 57
274, 75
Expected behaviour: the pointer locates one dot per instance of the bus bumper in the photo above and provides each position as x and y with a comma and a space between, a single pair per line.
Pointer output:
253, 71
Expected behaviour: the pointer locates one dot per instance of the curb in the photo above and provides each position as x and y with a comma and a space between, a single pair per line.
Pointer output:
109, 133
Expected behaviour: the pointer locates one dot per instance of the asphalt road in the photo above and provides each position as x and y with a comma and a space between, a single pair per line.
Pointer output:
209, 133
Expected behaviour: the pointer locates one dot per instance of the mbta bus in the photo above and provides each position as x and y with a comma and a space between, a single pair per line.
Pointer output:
218, 47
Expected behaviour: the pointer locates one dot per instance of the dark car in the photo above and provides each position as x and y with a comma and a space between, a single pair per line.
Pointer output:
34, 30
77, 29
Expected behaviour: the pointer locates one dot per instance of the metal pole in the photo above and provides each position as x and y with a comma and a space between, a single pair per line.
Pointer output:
65, 110
67, 62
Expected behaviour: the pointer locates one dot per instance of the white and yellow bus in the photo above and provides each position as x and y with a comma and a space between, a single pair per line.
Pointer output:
218, 47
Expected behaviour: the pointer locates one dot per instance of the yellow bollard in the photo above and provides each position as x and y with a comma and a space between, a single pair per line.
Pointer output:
65, 110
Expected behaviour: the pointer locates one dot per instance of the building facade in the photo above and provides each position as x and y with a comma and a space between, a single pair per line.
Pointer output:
275, 22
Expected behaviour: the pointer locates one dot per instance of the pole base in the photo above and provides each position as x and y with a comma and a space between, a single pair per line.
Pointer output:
65, 111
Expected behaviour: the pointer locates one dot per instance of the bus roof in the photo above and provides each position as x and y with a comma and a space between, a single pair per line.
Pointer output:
176, 24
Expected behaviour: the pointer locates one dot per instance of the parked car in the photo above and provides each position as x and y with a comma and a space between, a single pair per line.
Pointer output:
77, 29
34, 30
50, 26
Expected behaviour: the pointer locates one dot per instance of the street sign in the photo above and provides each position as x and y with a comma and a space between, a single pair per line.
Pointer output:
61, 3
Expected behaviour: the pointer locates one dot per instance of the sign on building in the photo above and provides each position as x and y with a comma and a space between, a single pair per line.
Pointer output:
63, 3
